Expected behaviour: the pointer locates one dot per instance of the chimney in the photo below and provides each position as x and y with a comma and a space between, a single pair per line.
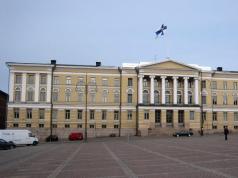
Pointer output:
53, 61
98, 64
219, 68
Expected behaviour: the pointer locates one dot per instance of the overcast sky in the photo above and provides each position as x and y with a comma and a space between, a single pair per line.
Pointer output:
203, 32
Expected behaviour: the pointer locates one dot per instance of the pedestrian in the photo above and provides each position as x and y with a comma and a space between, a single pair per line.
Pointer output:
226, 132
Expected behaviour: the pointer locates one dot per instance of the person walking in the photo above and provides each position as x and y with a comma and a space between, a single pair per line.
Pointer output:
226, 132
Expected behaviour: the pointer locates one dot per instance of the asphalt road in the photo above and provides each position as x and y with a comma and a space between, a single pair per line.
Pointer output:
208, 156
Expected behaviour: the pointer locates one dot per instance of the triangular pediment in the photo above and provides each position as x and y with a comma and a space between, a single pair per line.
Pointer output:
168, 64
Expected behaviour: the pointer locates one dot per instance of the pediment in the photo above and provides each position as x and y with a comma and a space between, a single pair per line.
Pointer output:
169, 64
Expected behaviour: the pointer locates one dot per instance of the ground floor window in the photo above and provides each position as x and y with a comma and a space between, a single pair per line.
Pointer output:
66, 126
116, 126
104, 126
15, 125
28, 125
214, 127
192, 114
41, 125
91, 126
157, 116
181, 116
146, 115
169, 116
79, 125
16, 113
54, 125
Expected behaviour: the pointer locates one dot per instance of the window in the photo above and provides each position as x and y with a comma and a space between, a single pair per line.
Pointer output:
145, 83
225, 99
179, 97
55, 95
204, 99
105, 82
235, 126
29, 113
129, 115
167, 84
130, 82
80, 126
214, 99
18, 79
30, 94
42, 94
191, 115
235, 85
16, 113
15, 125
214, 85
92, 114
17, 94
157, 116
56, 80
145, 97
116, 115
43, 79
41, 125
67, 95
54, 114
67, 114
146, 115
167, 97
156, 97
41, 113
104, 114
54, 125
80, 81
190, 97
91, 126
28, 125
129, 96
214, 116
181, 116
104, 96
92, 81
116, 82
116, 97
225, 116
30, 79
156, 83
92, 97
80, 97
204, 116
203, 84
116, 126
67, 126
68, 80
214, 127
190, 84
235, 116
104, 126
180, 84
80, 114
225, 85
235, 99
169, 116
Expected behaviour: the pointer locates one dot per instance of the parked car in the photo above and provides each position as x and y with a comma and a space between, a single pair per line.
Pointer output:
183, 133
76, 136
6, 145
52, 138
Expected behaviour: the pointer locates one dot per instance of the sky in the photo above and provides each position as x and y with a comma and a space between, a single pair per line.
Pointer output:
118, 31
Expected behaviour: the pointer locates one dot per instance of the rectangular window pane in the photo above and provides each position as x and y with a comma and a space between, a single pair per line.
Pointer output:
91, 114
130, 82
67, 114
41, 113
204, 84
54, 114
30, 79
56, 80
129, 115
43, 78
235, 116
116, 115
16, 113
104, 114
191, 115
29, 113
18, 79
80, 114
146, 115
214, 116
116, 82
225, 116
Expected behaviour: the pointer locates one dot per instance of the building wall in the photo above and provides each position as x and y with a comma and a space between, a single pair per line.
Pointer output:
3, 109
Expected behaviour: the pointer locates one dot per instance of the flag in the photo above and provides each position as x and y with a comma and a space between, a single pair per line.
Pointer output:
161, 30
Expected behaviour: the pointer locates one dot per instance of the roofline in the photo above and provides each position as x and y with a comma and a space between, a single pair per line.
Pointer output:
9, 64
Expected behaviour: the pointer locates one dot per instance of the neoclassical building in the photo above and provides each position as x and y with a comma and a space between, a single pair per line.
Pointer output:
141, 99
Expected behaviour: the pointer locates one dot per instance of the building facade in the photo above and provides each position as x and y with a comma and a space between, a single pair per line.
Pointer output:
3, 109
138, 99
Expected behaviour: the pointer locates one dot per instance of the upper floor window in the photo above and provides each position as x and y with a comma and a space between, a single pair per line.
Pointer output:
167, 84
214, 85
235, 99
190, 84
190, 97
42, 94
92, 98
156, 83
18, 79
180, 84
116, 97
80, 81
225, 116
67, 95
56, 80
92, 81
43, 79
225, 99
116, 82
225, 85
145, 97
30, 79
80, 97
17, 94
156, 97
235, 85
80, 114
235, 116
130, 82
214, 98
116, 115
104, 114
214, 116
16, 113
105, 82
145, 83
129, 96
41, 113
204, 99
146, 115
54, 114
30, 94
104, 96
68, 80
204, 84
67, 114
55, 95
29, 113
92, 114
129, 115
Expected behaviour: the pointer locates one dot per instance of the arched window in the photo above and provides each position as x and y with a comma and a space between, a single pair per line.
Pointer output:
67, 95
156, 97
30, 94
179, 97
17, 94
167, 97
145, 97
104, 96
190, 97
42, 94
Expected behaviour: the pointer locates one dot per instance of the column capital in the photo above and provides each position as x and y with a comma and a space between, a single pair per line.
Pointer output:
140, 75
186, 78
195, 78
163, 76
152, 76
175, 77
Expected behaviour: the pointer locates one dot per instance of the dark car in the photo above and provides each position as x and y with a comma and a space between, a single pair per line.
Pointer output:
52, 138
76, 136
4, 145
183, 133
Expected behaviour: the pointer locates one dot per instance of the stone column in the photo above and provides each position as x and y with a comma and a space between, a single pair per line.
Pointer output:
37, 81
11, 86
163, 89
196, 91
140, 88
23, 88
185, 90
48, 88
175, 88
152, 89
